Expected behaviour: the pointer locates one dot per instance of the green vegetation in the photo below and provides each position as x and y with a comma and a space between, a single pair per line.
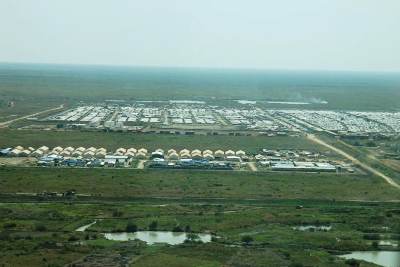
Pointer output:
114, 140
128, 183
248, 235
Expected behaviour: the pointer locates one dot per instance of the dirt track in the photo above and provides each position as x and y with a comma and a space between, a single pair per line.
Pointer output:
366, 167
6, 123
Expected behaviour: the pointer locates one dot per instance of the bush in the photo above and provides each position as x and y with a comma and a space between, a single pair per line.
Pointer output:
153, 226
10, 225
117, 213
247, 239
131, 227
177, 229
352, 262
40, 227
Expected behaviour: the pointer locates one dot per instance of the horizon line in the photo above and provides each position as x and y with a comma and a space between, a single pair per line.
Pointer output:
233, 68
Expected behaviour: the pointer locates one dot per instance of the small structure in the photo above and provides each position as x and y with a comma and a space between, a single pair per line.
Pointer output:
19, 148
132, 150
208, 152
70, 149
173, 156
37, 153
65, 153
184, 151
89, 154
240, 153
58, 149
15, 152
219, 154
208, 157
143, 151
185, 156
100, 155
171, 151
229, 153
121, 150
77, 153
25, 153
80, 149
44, 149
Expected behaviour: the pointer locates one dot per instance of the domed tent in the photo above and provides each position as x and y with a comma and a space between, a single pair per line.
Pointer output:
185, 156
132, 150
197, 156
15, 152
196, 151
184, 151
69, 149
219, 154
89, 154
207, 151
240, 153
143, 151
121, 150
58, 149
100, 155
44, 149
173, 156
229, 153
171, 151
65, 153
159, 150
37, 153
208, 157
77, 154
80, 149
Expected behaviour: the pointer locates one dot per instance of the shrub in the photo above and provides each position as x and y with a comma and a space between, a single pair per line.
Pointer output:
247, 239
131, 227
153, 226
40, 227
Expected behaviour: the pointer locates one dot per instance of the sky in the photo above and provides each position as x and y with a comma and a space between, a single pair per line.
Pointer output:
262, 34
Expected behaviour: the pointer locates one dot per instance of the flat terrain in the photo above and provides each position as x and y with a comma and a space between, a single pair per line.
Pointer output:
128, 183
114, 140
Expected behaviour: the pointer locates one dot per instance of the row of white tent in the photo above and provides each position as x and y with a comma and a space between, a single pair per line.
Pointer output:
141, 153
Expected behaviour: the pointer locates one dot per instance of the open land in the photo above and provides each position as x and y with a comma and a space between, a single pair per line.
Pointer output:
274, 208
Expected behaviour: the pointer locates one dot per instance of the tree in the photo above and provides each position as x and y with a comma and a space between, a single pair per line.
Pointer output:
153, 226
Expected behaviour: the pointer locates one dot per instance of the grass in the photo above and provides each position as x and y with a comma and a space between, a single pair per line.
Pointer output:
114, 140
126, 183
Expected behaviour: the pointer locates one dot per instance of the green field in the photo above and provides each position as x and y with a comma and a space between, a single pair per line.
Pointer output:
114, 140
128, 183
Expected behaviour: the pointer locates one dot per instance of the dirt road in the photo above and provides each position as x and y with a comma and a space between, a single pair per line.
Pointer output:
6, 123
389, 180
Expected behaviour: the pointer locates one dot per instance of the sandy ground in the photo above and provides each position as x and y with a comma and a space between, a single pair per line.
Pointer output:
17, 161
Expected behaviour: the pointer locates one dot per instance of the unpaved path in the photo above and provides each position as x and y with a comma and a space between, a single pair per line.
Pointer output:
6, 123
389, 180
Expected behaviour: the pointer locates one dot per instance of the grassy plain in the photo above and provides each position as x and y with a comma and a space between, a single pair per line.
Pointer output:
128, 183
114, 140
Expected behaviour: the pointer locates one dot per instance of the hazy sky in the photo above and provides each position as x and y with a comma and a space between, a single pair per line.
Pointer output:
278, 34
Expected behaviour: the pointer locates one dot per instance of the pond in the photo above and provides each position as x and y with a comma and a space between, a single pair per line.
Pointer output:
383, 258
152, 237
